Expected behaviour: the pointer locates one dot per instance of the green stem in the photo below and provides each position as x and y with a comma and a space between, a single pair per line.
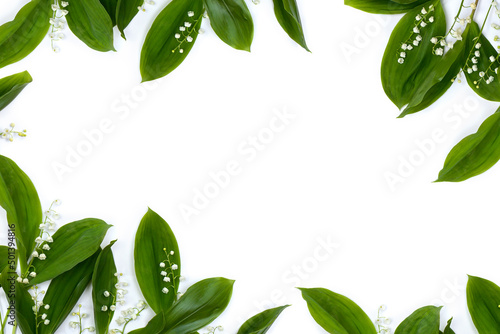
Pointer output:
3, 323
14, 328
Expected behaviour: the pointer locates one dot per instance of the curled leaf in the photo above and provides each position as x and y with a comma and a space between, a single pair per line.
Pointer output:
11, 86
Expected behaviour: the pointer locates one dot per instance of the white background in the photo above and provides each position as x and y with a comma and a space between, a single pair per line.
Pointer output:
322, 178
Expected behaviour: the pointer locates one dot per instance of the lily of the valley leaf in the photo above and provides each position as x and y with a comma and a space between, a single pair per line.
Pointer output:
482, 301
288, 16
423, 320
384, 6
11, 86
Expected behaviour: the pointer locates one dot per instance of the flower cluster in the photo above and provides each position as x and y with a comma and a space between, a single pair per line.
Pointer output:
79, 323
127, 316
119, 298
57, 22
142, 7
381, 322
422, 20
186, 32
471, 66
167, 271
39, 308
212, 330
8, 133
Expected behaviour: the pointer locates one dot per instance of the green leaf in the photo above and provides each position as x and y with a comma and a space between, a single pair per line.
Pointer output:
262, 322
4, 257
440, 79
11, 86
474, 154
110, 6
484, 65
19, 298
73, 243
337, 314
18, 38
199, 306
126, 10
153, 243
8, 258
90, 22
482, 300
402, 81
162, 52
288, 16
425, 320
19, 198
448, 329
232, 22
104, 279
64, 292
154, 326
384, 6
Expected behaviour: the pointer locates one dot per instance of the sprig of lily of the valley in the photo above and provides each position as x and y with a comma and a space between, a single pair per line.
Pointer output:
423, 58
168, 42
70, 259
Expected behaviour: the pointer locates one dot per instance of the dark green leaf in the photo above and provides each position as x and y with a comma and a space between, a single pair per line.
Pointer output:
199, 306
232, 22
162, 52
8, 259
425, 320
18, 38
288, 16
110, 6
484, 65
337, 314
126, 10
4, 257
401, 81
64, 292
474, 154
11, 86
153, 243
483, 299
262, 322
439, 80
154, 326
90, 22
20, 300
104, 279
19, 198
384, 6
73, 243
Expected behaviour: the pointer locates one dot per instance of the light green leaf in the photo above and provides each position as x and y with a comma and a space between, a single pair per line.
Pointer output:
110, 6
11, 86
126, 10
162, 52
474, 154
425, 320
19, 198
482, 300
288, 16
4, 257
90, 22
232, 22
104, 279
384, 6
73, 243
8, 259
448, 329
440, 79
199, 306
484, 65
402, 81
18, 38
64, 292
337, 314
153, 243
262, 322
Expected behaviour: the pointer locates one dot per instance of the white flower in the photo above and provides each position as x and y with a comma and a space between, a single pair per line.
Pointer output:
443, 42
189, 39
176, 36
46, 247
495, 26
187, 24
474, 60
26, 281
401, 60
64, 4
404, 46
474, 68
481, 74
477, 54
164, 290
112, 307
44, 316
166, 279
410, 47
469, 70
42, 257
423, 11
35, 254
473, 5
49, 239
175, 267
46, 322
163, 273
32, 274
423, 24
38, 240
418, 17
461, 21
416, 30
182, 28
91, 329
439, 51
190, 13
181, 50
434, 40
431, 19
492, 59
415, 42
478, 45
450, 45
104, 308
46, 307
106, 293
418, 38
